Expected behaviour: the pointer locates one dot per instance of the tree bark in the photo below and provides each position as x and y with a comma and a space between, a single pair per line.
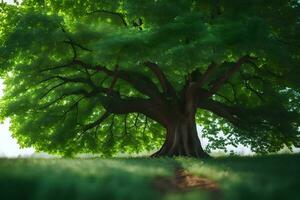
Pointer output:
182, 140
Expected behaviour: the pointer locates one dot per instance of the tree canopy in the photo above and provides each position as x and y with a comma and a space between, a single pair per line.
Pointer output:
106, 76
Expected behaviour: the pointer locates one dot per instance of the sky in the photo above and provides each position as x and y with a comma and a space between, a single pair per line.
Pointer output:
9, 1
9, 146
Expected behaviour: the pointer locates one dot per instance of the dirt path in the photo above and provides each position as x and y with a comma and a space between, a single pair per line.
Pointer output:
183, 181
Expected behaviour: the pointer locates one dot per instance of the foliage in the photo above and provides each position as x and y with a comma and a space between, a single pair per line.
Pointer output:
53, 53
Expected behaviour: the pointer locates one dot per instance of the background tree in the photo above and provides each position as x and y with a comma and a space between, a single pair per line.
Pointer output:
127, 76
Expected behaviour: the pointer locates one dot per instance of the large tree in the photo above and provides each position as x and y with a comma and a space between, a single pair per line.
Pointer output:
114, 76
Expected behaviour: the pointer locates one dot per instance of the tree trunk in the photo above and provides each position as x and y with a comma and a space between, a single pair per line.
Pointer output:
182, 139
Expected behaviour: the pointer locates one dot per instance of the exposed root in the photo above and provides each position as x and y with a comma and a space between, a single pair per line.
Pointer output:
182, 181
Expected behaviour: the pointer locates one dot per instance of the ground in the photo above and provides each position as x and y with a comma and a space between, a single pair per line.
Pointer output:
264, 177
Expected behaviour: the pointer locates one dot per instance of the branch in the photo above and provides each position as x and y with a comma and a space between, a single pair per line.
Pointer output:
136, 120
221, 109
142, 84
210, 69
164, 82
51, 89
139, 81
111, 100
248, 86
233, 91
74, 80
217, 85
145, 125
115, 79
67, 79
97, 122
58, 67
75, 105
258, 94
73, 44
112, 125
224, 97
76, 92
125, 124
117, 105
264, 70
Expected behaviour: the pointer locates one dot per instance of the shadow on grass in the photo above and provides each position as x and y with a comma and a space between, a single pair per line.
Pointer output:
273, 177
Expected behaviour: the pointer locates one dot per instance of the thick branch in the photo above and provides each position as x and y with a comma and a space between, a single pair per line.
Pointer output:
118, 105
112, 102
209, 71
193, 86
139, 81
164, 82
220, 109
217, 85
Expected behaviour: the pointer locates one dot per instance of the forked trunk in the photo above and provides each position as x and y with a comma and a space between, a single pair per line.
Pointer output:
182, 140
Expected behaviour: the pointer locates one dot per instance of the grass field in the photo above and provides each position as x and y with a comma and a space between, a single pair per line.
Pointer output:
271, 177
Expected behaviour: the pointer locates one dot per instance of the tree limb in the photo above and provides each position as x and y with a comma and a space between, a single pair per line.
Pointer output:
115, 79
136, 120
87, 127
210, 69
221, 109
118, 105
220, 81
112, 102
125, 124
51, 89
72, 107
258, 94
58, 67
73, 44
164, 82
145, 125
76, 92
74, 80
139, 81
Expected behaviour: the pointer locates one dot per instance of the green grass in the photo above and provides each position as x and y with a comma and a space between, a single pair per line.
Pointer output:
261, 177
271, 177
